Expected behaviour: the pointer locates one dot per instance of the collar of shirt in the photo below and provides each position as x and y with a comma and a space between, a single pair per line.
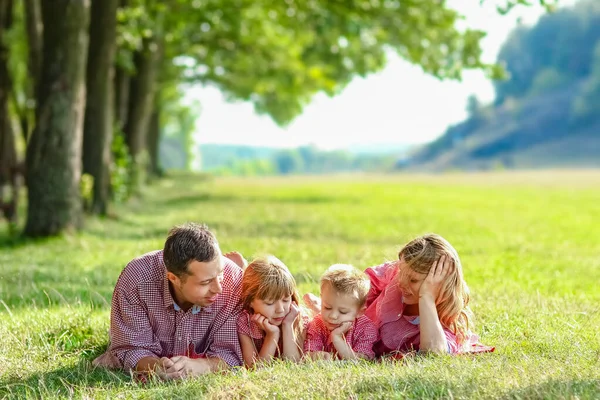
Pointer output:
390, 307
195, 309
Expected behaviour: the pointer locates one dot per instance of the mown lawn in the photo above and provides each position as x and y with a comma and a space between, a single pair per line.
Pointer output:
529, 243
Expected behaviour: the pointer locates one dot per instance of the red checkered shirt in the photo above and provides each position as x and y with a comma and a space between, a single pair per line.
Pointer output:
361, 336
386, 309
246, 326
146, 322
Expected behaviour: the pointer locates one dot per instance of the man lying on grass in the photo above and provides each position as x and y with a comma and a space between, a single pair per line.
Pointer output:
174, 311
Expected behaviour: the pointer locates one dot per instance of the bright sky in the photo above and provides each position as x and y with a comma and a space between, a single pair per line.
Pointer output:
400, 104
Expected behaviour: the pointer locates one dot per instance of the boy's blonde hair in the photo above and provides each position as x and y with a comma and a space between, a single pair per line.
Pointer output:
267, 278
419, 255
347, 279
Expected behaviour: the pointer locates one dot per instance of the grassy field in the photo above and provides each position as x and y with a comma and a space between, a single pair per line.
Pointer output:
529, 243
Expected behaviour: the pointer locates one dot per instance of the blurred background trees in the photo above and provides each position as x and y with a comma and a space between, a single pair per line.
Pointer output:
90, 88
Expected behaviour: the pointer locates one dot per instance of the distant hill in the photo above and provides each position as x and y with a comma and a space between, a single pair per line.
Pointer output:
546, 115
214, 156
218, 155
536, 132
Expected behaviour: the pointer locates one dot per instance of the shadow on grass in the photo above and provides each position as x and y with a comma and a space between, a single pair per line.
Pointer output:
420, 388
17, 239
405, 388
557, 389
66, 381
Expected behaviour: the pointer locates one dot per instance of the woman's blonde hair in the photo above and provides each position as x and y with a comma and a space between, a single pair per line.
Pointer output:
419, 255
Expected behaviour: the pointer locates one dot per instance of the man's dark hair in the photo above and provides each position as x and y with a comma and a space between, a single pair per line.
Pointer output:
186, 243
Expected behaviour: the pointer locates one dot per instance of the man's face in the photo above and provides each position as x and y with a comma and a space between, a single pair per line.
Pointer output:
201, 286
337, 308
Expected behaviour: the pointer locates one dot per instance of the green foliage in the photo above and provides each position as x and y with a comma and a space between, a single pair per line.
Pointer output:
526, 252
120, 178
87, 189
279, 55
22, 93
178, 123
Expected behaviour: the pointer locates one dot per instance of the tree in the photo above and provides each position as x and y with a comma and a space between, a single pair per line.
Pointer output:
8, 154
277, 55
54, 150
99, 113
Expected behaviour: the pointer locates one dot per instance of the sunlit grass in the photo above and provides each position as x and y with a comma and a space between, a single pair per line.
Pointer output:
529, 242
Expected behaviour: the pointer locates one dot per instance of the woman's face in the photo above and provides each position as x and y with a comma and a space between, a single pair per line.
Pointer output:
410, 283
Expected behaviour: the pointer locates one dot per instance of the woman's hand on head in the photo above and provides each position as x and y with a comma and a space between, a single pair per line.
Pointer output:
441, 269
264, 324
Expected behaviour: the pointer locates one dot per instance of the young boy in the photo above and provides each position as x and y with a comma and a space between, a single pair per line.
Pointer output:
341, 330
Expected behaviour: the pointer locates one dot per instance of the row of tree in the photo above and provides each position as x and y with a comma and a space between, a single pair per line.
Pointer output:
307, 160
77, 74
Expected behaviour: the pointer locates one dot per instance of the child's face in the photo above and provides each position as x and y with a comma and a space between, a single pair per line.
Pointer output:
273, 310
337, 308
410, 283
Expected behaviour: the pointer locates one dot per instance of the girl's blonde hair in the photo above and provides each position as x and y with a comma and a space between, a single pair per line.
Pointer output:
419, 255
267, 278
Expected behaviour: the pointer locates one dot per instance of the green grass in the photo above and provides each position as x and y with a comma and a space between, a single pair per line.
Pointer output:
529, 243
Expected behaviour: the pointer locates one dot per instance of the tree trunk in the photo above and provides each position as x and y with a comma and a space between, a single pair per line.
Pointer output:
122, 83
54, 150
9, 170
141, 98
121, 89
34, 28
98, 124
153, 143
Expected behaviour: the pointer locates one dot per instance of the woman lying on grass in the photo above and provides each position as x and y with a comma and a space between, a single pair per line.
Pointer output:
419, 302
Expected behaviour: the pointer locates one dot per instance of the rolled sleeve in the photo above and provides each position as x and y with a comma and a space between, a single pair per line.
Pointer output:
226, 343
132, 336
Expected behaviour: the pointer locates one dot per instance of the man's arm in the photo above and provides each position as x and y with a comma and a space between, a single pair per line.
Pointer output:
132, 337
225, 347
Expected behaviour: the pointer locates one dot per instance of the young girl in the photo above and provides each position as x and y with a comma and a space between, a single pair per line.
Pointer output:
271, 324
420, 302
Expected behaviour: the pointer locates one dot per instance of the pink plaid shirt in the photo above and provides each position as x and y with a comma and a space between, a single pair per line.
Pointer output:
247, 327
361, 336
146, 322
385, 308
